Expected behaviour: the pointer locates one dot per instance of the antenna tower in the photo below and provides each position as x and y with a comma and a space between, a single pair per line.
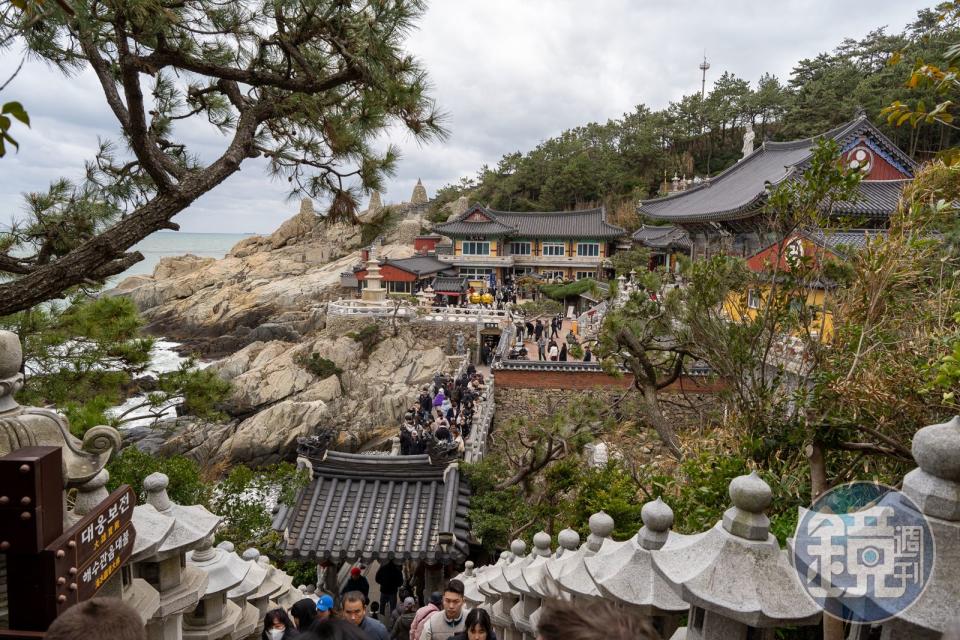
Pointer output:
703, 83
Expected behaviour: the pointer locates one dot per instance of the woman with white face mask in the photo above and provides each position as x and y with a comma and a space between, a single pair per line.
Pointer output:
278, 626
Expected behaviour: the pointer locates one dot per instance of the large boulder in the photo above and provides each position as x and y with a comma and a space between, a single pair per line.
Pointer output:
275, 375
271, 434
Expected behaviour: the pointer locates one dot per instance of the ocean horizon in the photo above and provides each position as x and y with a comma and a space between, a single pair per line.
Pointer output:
162, 244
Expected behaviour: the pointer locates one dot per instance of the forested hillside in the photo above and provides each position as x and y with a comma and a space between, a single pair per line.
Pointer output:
627, 158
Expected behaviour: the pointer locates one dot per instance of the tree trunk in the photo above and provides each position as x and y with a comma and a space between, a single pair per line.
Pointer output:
653, 415
832, 627
818, 469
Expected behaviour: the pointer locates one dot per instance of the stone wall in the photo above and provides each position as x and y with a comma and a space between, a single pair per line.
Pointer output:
683, 409
440, 334
590, 379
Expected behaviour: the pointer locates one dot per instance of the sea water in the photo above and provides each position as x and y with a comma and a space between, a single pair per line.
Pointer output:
177, 243
164, 357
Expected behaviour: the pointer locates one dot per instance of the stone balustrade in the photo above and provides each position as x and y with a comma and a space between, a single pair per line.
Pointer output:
466, 315
731, 582
365, 308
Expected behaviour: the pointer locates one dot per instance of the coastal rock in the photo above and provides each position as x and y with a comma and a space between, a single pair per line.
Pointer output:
277, 398
271, 435
327, 390
268, 288
279, 377
456, 207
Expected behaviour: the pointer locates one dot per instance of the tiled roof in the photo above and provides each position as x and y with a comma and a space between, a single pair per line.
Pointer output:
841, 241
377, 507
460, 226
588, 223
878, 198
449, 284
740, 190
662, 237
420, 265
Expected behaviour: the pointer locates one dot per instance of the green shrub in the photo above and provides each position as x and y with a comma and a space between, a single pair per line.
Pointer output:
368, 337
321, 367
561, 292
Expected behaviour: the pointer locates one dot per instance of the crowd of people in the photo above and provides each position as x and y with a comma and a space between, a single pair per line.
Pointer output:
444, 617
444, 412
548, 336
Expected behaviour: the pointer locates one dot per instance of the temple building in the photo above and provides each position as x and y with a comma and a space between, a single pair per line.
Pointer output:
400, 275
665, 244
560, 245
726, 213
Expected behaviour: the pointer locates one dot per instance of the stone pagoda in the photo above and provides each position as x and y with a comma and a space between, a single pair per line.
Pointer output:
373, 291
419, 194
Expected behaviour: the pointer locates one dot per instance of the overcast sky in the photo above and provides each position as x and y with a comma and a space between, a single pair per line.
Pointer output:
510, 73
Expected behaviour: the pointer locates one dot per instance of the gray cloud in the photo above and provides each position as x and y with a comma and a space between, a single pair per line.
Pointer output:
510, 73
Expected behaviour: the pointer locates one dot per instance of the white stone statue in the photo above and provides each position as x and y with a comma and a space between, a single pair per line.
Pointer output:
748, 136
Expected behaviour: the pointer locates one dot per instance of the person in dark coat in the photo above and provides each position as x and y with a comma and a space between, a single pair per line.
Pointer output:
406, 441
278, 626
357, 582
563, 352
401, 628
529, 327
587, 356
538, 329
336, 630
303, 612
390, 578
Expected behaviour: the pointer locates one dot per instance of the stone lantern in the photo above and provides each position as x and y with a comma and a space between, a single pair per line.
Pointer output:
136, 592
215, 616
247, 592
285, 594
543, 586
500, 586
574, 578
736, 579
471, 592
626, 573
163, 566
533, 572
935, 488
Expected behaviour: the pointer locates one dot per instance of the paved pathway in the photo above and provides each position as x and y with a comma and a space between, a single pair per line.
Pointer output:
531, 344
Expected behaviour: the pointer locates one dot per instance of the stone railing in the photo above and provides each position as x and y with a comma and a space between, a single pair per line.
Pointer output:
476, 445
734, 580
369, 309
466, 314
590, 321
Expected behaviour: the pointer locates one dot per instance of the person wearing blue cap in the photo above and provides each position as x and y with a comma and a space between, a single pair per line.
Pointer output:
325, 607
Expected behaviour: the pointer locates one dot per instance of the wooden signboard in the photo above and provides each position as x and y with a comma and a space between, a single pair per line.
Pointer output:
93, 550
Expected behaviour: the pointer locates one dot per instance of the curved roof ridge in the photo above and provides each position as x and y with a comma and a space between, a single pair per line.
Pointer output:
836, 132
552, 213
709, 182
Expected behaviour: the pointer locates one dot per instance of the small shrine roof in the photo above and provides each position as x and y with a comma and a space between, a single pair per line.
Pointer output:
377, 507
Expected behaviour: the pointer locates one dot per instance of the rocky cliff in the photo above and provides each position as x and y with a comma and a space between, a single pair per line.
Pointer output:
267, 288
276, 398
261, 311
